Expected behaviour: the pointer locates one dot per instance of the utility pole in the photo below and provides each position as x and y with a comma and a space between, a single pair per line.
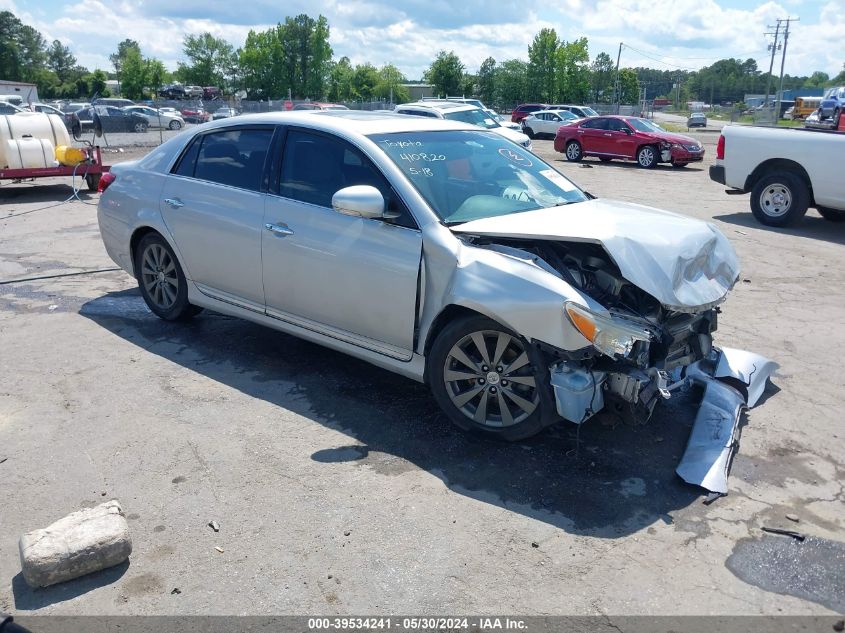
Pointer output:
782, 62
774, 47
616, 95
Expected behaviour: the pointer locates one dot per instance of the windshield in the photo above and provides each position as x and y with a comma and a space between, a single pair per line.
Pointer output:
643, 125
473, 117
467, 175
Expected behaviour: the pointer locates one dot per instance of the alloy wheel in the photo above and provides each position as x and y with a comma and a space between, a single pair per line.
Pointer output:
489, 378
158, 274
573, 151
646, 156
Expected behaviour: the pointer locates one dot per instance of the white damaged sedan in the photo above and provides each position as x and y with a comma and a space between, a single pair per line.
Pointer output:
445, 253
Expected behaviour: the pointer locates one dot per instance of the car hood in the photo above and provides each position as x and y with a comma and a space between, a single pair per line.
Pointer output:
512, 135
671, 138
686, 264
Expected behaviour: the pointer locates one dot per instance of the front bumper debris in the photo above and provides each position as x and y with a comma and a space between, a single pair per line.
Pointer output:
733, 380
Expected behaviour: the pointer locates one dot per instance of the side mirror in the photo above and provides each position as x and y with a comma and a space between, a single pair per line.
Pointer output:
361, 200
628, 131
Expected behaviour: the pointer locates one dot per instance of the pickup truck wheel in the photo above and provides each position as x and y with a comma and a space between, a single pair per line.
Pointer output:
832, 215
647, 157
574, 152
779, 199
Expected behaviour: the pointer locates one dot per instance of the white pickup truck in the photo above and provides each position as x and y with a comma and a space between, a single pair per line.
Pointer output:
786, 171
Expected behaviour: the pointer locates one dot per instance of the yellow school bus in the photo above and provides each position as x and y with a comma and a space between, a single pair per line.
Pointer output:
805, 106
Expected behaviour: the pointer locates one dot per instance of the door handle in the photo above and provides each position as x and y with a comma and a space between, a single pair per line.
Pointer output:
176, 203
608, 134
279, 229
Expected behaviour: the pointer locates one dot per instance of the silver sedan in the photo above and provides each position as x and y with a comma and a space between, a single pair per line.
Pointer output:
157, 118
440, 251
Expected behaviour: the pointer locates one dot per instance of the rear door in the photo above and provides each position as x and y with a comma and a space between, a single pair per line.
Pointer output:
213, 205
348, 277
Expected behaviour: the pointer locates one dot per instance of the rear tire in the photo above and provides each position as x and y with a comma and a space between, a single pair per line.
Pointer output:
161, 280
503, 392
175, 125
140, 127
779, 199
831, 215
574, 152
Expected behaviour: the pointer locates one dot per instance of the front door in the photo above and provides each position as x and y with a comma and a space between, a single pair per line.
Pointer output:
348, 277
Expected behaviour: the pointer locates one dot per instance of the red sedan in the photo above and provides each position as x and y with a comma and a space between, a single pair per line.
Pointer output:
627, 138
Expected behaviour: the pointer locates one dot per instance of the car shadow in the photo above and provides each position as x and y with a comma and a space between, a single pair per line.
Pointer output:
810, 226
627, 164
29, 599
604, 478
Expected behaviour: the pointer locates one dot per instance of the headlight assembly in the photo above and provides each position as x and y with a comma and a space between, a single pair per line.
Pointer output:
609, 335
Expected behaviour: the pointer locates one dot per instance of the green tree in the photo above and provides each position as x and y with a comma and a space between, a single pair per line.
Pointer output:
340, 80
365, 78
117, 58
390, 86
60, 60
818, 79
96, 83
511, 79
445, 74
487, 81
629, 87
208, 59
601, 79
572, 71
260, 61
542, 63
156, 74
305, 54
22, 50
134, 75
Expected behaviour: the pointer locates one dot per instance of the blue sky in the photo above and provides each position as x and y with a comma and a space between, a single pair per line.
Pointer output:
662, 34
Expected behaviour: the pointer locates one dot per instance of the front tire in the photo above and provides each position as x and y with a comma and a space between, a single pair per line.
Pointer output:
528, 132
486, 381
161, 280
647, 157
779, 199
140, 127
831, 215
175, 125
574, 152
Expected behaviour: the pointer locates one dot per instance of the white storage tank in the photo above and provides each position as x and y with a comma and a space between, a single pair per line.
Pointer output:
35, 125
28, 153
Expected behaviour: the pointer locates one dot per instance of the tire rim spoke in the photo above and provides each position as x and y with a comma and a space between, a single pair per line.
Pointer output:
520, 361
507, 418
522, 403
481, 346
461, 399
481, 409
501, 345
523, 380
452, 375
458, 354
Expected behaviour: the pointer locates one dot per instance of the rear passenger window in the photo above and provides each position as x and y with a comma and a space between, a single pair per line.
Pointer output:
234, 158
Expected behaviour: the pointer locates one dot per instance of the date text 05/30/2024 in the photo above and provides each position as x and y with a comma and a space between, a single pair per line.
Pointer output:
417, 623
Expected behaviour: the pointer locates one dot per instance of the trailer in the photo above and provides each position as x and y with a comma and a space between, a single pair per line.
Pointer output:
90, 170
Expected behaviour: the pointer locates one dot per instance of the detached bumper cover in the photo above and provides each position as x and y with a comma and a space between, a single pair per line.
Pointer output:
715, 433
717, 173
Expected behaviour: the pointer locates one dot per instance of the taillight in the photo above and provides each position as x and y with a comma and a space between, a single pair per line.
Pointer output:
106, 179
720, 148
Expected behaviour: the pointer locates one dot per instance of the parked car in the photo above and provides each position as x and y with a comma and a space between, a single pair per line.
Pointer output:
172, 91
211, 92
224, 113
465, 113
157, 118
832, 105
113, 120
316, 105
785, 170
9, 108
69, 118
111, 101
195, 114
437, 250
74, 106
193, 92
628, 138
546, 122
697, 119
582, 111
522, 111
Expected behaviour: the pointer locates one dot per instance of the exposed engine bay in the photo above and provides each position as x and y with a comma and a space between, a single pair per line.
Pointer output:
666, 350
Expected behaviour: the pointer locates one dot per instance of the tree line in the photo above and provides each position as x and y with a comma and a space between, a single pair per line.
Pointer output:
294, 58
